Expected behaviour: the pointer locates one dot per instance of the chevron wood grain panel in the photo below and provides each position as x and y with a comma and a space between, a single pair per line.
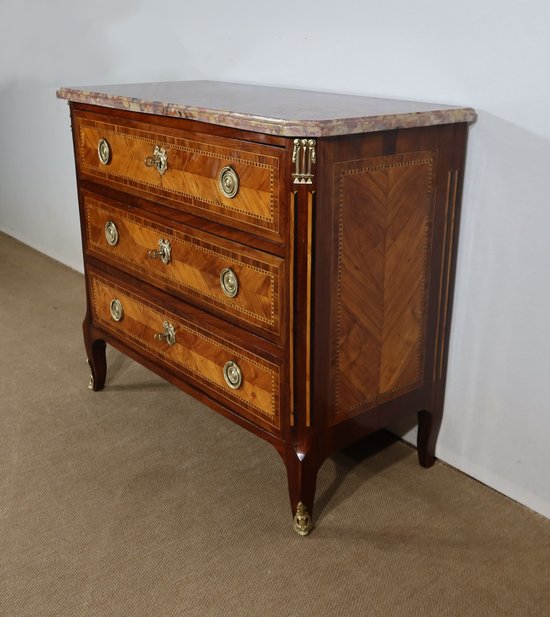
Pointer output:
191, 179
197, 259
197, 354
385, 217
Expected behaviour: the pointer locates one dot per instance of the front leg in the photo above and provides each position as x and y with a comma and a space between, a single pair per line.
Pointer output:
302, 479
95, 350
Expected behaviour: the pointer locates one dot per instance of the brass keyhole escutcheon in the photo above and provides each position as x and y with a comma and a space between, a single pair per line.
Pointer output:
159, 160
229, 282
164, 252
104, 151
168, 335
229, 182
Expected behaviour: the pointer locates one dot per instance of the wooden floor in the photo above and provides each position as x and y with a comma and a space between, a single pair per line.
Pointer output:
138, 501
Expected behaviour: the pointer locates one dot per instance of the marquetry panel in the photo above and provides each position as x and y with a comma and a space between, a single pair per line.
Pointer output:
197, 354
191, 180
196, 262
384, 221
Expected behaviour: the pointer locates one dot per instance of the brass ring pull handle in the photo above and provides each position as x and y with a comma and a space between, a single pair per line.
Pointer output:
232, 375
229, 182
229, 282
117, 312
111, 233
169, 334
159, 160
164, 252
103, 151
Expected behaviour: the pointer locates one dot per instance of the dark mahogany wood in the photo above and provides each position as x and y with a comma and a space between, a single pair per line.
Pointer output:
426, 395
364, 335
201, 128
94, 343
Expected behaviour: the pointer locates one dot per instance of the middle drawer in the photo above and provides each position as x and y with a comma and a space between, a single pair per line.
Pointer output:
244, 284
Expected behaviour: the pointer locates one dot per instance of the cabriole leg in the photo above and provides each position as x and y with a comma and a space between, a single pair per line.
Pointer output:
429, 423
95, 350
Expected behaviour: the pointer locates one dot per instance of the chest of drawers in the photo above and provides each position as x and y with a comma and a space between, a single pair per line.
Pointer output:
285, 257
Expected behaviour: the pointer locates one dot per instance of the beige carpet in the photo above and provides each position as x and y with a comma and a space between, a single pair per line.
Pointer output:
138, 501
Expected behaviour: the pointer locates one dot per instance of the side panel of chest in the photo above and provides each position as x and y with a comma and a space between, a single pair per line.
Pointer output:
383, 224
384, 208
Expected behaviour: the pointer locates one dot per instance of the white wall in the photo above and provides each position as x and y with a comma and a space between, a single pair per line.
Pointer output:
493, 55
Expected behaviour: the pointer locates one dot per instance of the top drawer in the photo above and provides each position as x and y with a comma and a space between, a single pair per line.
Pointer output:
235, 182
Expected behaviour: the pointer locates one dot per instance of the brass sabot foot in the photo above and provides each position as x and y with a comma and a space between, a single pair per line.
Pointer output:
91, 382
302, 524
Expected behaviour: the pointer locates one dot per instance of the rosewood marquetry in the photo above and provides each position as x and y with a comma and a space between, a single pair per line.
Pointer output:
198, 352
285, 257
196, 260
194, 164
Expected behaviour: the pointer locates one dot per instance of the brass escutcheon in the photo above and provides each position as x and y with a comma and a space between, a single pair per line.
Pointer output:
229, 282
103, 151
229, 182
232, 375
169, 334
164, 252
159, 160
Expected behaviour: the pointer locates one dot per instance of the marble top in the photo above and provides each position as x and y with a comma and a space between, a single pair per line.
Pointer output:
276, 111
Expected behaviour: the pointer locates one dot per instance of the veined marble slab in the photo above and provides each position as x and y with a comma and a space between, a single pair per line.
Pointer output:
276, 111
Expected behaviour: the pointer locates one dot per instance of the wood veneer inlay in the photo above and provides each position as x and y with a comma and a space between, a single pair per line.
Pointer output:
193, 170
200, 355
385, 216
196, 262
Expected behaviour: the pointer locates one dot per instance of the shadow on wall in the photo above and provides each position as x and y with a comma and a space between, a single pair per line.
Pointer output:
499, 359
500, 345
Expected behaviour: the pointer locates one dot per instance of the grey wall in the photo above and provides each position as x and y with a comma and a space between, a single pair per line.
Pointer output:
493, 55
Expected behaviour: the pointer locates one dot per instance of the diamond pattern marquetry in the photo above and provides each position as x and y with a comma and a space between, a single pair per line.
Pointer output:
385, 214
196, 261
191, 181
197, 354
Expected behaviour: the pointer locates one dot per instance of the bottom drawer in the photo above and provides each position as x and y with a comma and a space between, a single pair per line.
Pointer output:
243, 381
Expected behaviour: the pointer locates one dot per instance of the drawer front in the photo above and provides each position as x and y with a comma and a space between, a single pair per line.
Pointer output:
205, 358
196, 170
235, 280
